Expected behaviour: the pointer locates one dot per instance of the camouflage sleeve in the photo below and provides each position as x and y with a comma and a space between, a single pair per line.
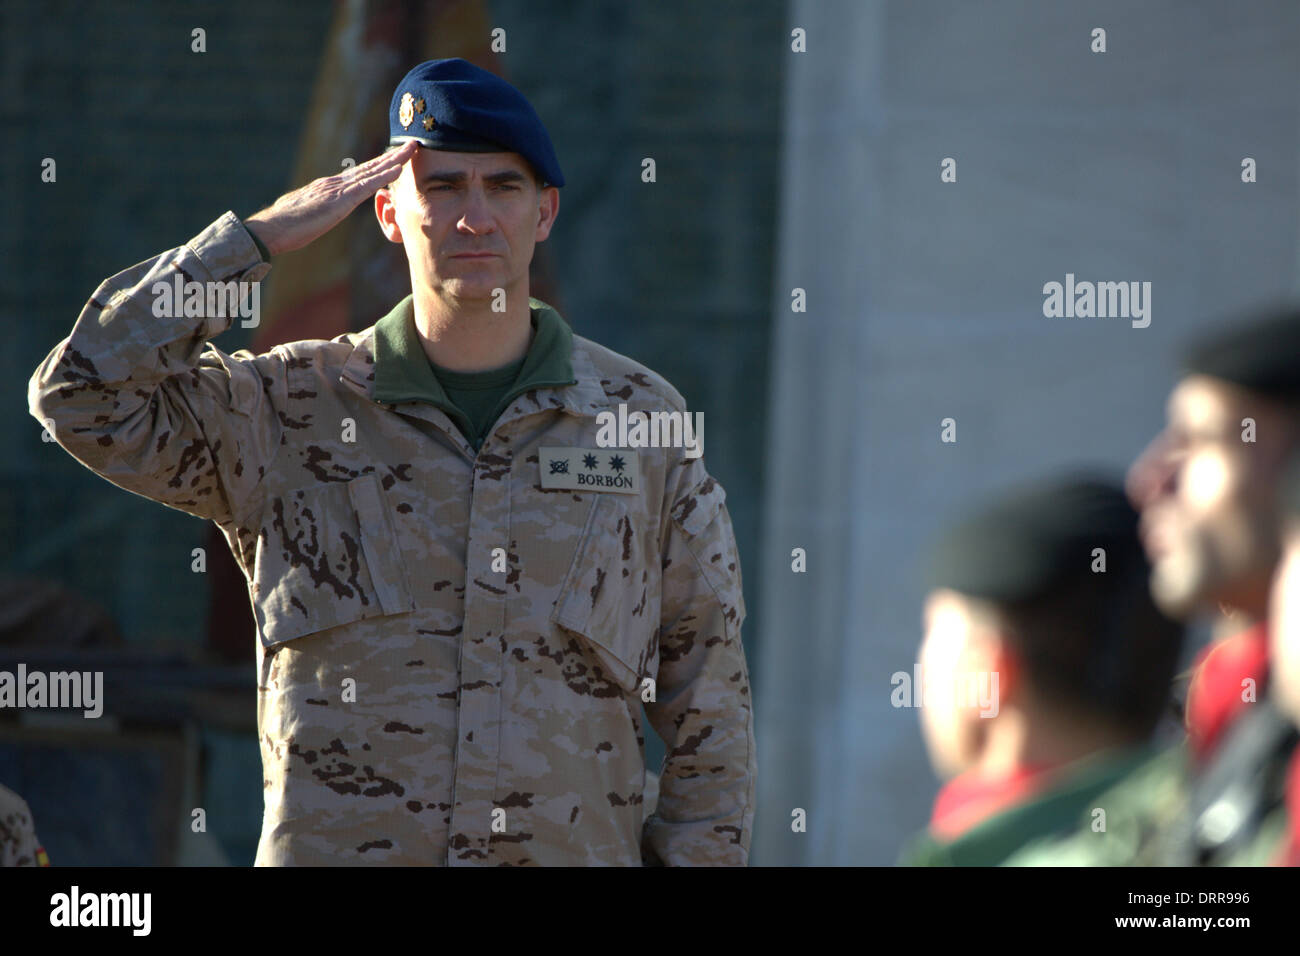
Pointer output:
18, 843
132, 394
702, 706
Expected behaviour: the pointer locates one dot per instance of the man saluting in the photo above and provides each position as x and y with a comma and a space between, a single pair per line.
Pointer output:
455, 635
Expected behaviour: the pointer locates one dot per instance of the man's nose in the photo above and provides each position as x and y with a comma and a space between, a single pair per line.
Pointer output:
1152, 475
475, 216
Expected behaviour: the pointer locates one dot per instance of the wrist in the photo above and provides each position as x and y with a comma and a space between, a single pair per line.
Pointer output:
252, 229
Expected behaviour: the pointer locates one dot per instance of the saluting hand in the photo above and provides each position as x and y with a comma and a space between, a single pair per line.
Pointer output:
306, 214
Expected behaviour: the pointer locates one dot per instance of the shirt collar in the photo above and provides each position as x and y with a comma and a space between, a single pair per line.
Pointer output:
971, 798
389, 366
403, 372
1050, 799
1214, 697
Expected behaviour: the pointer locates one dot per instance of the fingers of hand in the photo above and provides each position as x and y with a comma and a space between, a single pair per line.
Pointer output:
386, 162
398, 156
375, 173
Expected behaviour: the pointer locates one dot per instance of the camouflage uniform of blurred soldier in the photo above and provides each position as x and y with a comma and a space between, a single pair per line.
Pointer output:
463, 597
1207, 488
1208, 491
1041, 598
1284, 633
18, 843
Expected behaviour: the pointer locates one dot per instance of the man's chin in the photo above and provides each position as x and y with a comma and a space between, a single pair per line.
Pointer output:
1176, 591
472, 292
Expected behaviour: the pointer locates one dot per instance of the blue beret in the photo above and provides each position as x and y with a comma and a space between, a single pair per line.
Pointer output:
455, 105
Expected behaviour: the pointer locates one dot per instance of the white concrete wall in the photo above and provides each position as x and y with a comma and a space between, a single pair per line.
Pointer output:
925, 301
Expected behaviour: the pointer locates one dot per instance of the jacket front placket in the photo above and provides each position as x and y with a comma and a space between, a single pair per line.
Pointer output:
483, 629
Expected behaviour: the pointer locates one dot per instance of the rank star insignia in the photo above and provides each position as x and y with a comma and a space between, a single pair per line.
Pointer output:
428, 122
406, 110
616, 462
560, 467
589, 462
419, 105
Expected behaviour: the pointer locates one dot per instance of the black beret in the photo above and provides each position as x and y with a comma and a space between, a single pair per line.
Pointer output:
457, 106
1259, 352
1034, 537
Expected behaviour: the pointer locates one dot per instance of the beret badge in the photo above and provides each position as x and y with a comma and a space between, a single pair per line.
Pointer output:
406, 111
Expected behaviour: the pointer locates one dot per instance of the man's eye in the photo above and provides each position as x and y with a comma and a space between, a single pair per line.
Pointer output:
513, 187
441, 187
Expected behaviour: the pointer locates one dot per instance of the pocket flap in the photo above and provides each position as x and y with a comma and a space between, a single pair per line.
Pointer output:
379, 541
696, 509
614, 613
327, 556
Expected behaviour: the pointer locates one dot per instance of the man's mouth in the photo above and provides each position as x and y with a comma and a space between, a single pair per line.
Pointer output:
1155, 537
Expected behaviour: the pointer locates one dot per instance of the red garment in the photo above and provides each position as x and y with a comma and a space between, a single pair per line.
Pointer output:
971, 798
1214, 695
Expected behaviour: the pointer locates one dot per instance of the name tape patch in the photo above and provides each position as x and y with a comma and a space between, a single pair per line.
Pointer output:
590, 469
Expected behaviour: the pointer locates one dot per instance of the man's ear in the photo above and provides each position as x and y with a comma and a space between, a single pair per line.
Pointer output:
386, 213
548, 207
1005, 662
993, 652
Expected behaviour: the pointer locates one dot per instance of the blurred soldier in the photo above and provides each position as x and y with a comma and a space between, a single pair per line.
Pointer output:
1045, 668
18, 843
1284, 633
1207, 488
465, 587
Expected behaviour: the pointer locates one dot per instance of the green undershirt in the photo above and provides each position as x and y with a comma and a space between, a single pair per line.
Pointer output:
477, 395
473, 400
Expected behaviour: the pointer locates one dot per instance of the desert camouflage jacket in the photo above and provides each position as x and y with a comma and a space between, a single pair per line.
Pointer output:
452, 659
18, 843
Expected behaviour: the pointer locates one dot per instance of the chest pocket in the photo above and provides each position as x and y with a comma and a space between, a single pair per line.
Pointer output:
610, 597
328, 555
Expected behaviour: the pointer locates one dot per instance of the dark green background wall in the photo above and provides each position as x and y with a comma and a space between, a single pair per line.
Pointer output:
153, 141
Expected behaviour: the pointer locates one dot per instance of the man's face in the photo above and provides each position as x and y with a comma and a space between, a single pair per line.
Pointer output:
958, 654
1208, 499
469, 221
1284, 627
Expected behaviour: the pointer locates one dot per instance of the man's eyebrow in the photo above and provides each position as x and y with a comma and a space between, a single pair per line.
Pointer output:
457, 177
443, 175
